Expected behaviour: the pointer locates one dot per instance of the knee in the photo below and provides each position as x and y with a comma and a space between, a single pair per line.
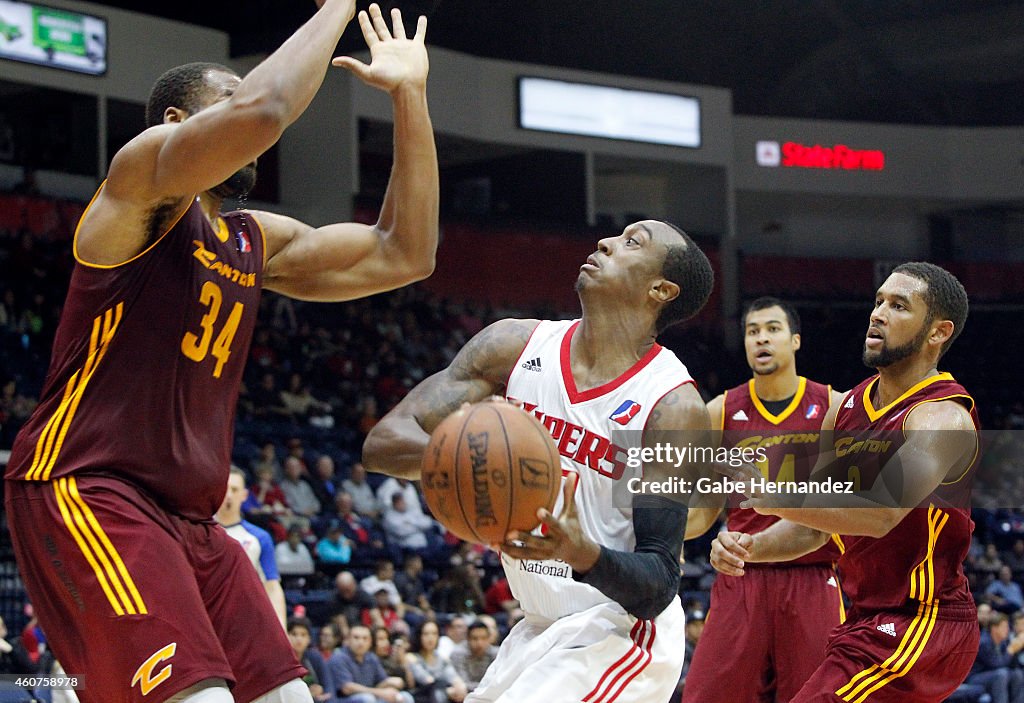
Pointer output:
295, 691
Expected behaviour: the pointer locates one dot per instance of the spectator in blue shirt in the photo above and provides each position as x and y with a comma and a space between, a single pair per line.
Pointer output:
993, 667
358, 675
334, 549
1004, 593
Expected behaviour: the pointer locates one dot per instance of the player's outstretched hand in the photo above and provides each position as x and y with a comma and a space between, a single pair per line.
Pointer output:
729, 552
395, 61
563, 538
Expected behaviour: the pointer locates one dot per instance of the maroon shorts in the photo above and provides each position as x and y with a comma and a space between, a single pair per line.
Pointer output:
765, 634
140, 602
892, 656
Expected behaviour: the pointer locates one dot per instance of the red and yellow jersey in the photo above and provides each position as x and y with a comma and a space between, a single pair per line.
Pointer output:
920, 561
790, 444
147, 363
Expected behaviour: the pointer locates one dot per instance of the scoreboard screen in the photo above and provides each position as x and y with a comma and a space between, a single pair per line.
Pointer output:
51, 37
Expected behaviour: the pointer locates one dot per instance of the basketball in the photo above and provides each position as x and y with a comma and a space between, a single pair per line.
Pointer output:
487, 469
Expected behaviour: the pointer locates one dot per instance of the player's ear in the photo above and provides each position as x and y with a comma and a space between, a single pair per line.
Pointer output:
942, 331
174, 114
245, 495
664, 291
796, 342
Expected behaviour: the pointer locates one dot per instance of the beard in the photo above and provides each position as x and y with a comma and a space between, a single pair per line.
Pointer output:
887, 356
239, 184
767, 370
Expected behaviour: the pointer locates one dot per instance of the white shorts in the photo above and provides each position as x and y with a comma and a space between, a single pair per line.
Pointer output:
600, 655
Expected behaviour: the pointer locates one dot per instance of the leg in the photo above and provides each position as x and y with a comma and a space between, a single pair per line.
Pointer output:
737, 631
924, 663
209, 691
104, 565
805, 608
256, 646
598, 655
295, 691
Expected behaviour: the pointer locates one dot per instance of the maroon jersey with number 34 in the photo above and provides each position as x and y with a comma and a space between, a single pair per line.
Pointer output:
147, 364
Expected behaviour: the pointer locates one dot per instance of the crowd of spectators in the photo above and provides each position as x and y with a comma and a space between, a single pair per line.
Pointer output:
384, 603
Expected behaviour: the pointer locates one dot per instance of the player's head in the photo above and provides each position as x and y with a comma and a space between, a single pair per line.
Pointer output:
186, 90
771, 335
359, 639
479, 638
920, 309
230, 511
654, 264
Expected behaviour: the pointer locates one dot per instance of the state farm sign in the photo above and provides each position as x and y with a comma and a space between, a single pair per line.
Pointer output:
840, 156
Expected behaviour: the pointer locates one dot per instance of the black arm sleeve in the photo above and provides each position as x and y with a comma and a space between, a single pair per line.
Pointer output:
645, 580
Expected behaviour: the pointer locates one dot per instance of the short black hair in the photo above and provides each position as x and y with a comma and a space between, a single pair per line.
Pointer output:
179, 87
688, 267
765, 302
478, 625
944, 295
300, 622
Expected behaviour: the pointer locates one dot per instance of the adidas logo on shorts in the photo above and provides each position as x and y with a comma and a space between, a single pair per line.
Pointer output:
532, 364
888, 628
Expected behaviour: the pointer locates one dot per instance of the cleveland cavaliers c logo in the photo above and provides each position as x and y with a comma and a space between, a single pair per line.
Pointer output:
144, 675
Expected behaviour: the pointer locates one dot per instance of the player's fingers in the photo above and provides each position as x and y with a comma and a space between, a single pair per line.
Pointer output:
421, 28
724, 557
733, 545
569, 496
553, 525
396, 23
727, 569
378, 22
527, 550
366, 27
347, 62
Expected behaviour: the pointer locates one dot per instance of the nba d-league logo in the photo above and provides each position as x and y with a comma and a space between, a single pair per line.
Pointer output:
768, 154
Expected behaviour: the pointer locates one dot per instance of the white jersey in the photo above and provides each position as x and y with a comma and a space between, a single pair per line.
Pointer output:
593, 430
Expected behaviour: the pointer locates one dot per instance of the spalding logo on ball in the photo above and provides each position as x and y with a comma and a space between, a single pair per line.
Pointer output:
487, 469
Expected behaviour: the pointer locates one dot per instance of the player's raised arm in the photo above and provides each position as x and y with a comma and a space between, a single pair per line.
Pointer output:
645, 580
223, 127
346, 261
395, 445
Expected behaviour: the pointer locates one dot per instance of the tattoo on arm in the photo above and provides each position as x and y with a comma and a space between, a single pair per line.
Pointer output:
479, 370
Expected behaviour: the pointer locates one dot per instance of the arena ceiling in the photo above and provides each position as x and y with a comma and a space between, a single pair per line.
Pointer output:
931, 62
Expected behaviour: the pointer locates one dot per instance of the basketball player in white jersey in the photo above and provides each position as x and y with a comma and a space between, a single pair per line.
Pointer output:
599, 586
